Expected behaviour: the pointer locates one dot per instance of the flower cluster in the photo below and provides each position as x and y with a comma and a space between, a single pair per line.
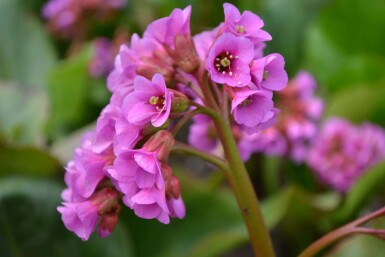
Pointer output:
67, 18
297, 123
159, 81
342, 152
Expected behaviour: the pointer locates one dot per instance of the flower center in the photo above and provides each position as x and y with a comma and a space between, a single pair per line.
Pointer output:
265, 75
223, 63
246, 102
158, 101
240, 29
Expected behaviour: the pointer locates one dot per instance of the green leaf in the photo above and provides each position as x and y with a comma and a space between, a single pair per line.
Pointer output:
31, 226
359, 104
287, 21
68, 92
26, 161
343, 47
23, 113
365, 188
26, 54
358, 246
64, 148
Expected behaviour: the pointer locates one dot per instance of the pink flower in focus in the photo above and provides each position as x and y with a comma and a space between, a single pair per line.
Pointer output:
165, 29
82, 217
248, 24
228, 60
253, 109
269, 72
150, 102
150, 203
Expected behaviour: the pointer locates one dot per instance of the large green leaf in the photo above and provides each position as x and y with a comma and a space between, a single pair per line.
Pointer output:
358, 246
26, 54
343, 47
68, 90
30, 225
359, 104
23, 113
26, 161
360, 194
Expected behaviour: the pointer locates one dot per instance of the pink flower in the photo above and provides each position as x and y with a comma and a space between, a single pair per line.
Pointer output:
342, 152
102, 61
176, 207
269, 72
248, 24
82, 217
150, 102
165, 29
87, 170
202, 134
254, 109
229, 59
203, 42
150, 203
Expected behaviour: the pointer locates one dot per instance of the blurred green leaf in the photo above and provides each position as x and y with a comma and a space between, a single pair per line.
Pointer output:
358, 246
287, 22
64, 148
343, 47
68, 90
22, 114
354, 25
26, 54
359, 104
357, 198
26, 161
31, 226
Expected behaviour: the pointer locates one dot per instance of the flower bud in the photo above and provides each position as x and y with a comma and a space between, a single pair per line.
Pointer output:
185, 54
166, 171
106, 200
180, 102
161, 142
173, 188
108, 222
150, 129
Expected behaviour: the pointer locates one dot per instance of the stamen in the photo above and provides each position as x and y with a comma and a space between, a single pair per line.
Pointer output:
265, 74
154, 100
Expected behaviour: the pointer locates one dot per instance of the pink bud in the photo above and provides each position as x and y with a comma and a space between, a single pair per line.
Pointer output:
173, 188
161, 142
185, 54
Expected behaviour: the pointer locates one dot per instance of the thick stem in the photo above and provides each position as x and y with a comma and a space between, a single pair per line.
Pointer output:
240, 180
244, 193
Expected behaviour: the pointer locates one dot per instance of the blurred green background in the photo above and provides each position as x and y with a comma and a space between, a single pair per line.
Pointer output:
47, 99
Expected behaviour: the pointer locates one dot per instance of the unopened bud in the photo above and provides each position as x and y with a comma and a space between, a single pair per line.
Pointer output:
108, 222
161, 142
180, 102
106, 200
184, 54
166, 171
173, 188
150, 129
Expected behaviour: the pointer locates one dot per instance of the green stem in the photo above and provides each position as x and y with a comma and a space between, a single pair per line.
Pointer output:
240, 181
244, 192
186, 117
340, 233
181, 148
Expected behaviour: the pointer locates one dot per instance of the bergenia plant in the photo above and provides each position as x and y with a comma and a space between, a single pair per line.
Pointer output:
233, 93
